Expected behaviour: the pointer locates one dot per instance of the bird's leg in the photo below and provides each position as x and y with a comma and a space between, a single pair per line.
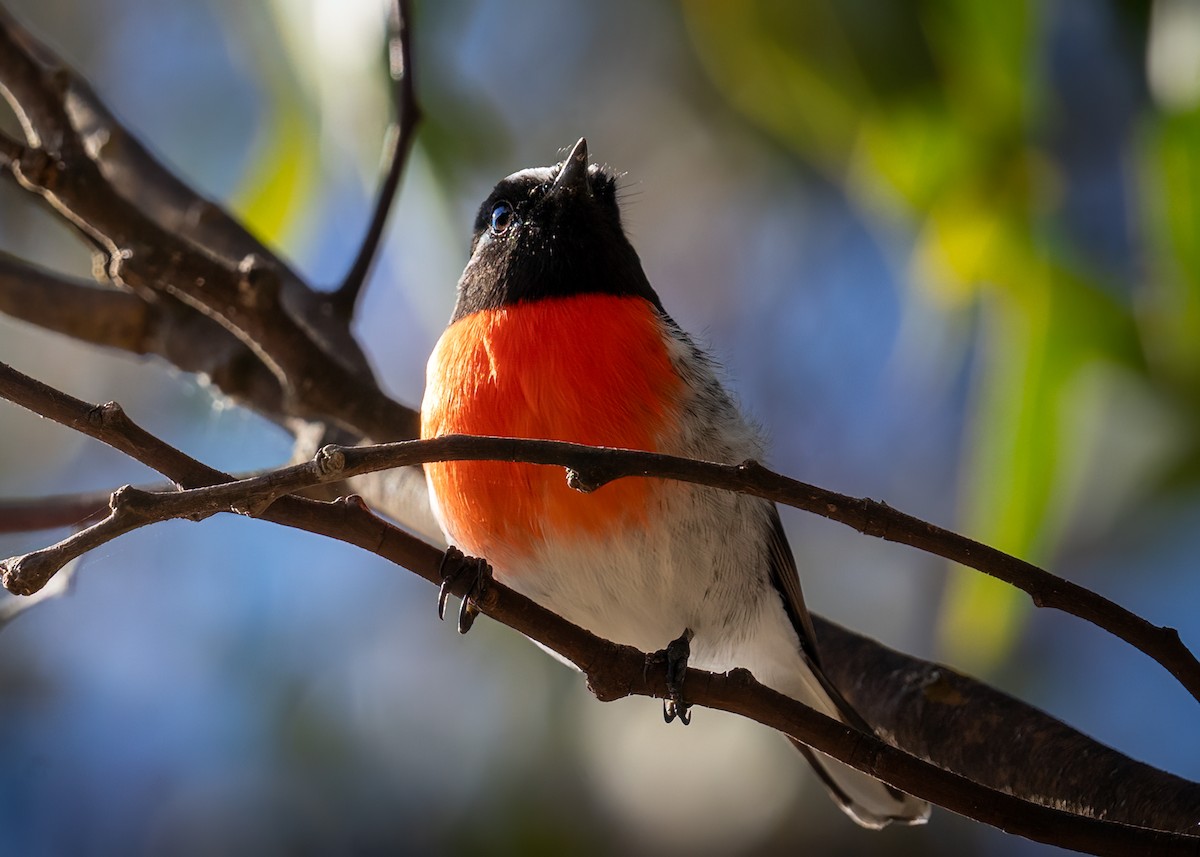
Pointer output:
454, 567
677, 653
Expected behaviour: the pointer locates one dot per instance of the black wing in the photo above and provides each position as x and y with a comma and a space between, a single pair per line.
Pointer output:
787, 581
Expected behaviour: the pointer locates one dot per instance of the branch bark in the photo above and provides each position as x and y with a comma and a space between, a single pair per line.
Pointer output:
397, 145
589, 468
615, 671
124, 321
254, 297
43, 513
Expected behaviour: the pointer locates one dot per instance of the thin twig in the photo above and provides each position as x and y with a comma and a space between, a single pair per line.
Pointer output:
13, 606
109, 423
590, 468
397, 145
44, 513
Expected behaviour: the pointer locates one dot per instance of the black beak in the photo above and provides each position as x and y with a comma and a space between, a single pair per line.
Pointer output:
573, 175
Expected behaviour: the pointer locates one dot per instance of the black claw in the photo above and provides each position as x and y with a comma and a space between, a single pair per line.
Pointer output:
467, 611
448, 568
677, 653
680, 710
456, 564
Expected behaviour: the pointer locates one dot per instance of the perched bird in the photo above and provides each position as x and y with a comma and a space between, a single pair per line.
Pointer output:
557, 334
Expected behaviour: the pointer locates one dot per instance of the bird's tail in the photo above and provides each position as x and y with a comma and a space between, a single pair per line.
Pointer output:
870, 802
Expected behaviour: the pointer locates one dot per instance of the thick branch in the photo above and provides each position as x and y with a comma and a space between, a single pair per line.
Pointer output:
191, 341
60, 165
162, 326
139, 177
938, 714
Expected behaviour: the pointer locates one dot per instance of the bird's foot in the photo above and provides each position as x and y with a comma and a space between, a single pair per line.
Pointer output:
676, 655
456, 566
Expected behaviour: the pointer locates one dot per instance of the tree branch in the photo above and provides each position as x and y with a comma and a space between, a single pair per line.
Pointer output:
60, 166
397, 145
589, 468
139, 177
161, 326
44, 513
192, 341
613, 671
72, 307
938, 714
13, 606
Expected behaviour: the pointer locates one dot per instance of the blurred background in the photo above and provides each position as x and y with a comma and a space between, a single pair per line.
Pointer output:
948, 251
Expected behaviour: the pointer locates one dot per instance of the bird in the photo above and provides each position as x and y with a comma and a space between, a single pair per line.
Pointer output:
557, 334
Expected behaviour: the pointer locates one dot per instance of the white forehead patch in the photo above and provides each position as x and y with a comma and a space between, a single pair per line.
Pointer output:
541, 175
537, 174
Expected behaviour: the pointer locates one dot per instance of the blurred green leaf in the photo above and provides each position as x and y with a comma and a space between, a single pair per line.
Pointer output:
281, 177
942, 135
786, 66
1170, 168
279, 181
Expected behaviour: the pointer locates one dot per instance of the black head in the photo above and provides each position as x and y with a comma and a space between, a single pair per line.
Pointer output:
550, 232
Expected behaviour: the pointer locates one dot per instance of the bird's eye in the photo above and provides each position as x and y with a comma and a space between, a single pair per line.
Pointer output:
502, 218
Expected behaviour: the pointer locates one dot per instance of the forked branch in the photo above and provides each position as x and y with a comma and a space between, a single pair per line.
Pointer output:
589, 468
613, 671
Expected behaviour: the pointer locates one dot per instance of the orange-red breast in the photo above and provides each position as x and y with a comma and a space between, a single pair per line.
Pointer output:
558, 335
